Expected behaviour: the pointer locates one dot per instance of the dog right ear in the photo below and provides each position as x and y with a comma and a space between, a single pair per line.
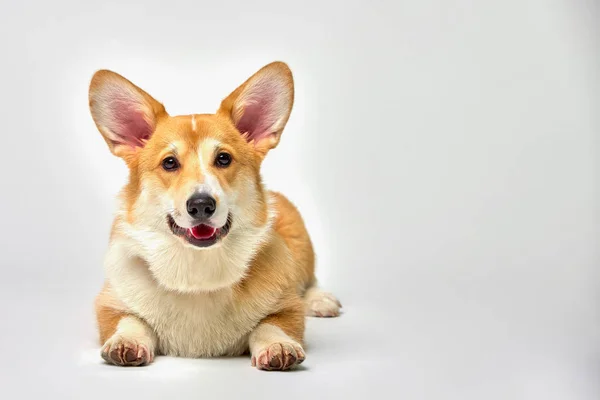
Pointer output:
125, 115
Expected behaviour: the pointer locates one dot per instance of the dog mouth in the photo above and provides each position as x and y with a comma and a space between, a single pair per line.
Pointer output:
201, 235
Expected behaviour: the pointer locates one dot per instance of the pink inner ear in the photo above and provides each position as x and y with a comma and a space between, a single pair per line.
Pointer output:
253, 123
260, 111
129, 125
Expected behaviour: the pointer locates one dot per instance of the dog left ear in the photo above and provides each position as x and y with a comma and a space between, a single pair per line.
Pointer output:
125, 115
261, 106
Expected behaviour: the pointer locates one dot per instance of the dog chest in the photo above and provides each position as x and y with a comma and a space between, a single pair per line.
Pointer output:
199, 325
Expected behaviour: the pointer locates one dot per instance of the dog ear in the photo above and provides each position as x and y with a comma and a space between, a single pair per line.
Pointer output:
261, 106
125, 115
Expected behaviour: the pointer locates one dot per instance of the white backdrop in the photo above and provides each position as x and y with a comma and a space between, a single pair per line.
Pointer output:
443, 153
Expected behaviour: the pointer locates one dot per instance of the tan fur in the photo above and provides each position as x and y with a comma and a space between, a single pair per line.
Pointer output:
109, 311
107, 318
290, 226
162, 294
290, 319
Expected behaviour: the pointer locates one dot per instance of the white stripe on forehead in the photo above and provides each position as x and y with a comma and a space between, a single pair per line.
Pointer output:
206, 154
194, 123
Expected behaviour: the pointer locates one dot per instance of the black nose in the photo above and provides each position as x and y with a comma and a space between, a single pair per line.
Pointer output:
201, 206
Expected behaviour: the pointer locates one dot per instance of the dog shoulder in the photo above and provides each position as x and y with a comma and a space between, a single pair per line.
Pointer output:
290, 227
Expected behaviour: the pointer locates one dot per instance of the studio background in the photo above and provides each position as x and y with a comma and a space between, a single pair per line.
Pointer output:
443, 154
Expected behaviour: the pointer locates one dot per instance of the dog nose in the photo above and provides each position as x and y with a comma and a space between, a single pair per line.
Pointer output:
201, 206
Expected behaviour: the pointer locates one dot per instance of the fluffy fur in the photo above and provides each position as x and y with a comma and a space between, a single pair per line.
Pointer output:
251, 289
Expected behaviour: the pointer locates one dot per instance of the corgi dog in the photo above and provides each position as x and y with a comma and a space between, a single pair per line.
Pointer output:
202, 260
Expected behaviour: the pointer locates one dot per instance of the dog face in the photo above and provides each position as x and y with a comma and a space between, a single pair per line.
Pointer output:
194, 185
198, 175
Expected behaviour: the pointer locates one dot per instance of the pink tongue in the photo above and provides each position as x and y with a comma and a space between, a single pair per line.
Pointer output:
202, 232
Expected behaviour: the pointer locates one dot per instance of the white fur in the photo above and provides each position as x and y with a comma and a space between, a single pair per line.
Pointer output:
321, 304
200, 323
135, 334
268, 342
265, 335
132, 327
194, 123
180, 266
211, 185
181, 291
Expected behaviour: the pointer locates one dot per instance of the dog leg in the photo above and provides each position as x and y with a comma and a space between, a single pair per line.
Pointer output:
133, 343
275, 344
125, 338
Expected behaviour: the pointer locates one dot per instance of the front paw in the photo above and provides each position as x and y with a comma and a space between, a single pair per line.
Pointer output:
279, 356
124, 351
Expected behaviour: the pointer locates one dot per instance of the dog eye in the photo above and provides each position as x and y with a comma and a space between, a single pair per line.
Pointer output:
223, 159
170, 164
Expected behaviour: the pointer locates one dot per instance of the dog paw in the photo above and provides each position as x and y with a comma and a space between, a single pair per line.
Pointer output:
123, 351
279, 357
321, 304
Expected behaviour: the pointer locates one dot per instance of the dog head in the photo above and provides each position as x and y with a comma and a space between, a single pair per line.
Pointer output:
194, 180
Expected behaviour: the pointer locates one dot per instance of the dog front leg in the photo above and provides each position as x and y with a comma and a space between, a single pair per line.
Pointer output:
276, 343
127, 340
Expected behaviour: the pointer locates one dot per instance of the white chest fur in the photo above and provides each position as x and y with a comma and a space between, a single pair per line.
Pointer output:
187, 324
